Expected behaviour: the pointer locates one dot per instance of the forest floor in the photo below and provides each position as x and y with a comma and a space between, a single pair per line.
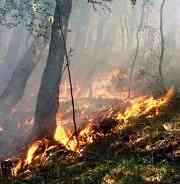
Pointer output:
148, 152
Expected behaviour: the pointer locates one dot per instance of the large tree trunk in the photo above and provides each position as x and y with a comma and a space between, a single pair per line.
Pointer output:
48, 97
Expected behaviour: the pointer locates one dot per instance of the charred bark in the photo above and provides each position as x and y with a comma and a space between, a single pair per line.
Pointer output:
48, 97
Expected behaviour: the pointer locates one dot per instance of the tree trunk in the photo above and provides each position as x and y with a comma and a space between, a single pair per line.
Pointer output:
16, 86
161, 59
10, 62
48, 97
137, 49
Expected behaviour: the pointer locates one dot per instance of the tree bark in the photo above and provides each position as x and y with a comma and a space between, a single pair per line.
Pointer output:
48, 97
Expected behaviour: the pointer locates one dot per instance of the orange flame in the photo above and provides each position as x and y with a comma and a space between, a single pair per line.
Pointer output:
17, 168
22, 163
144, 105
62, 137
31, 151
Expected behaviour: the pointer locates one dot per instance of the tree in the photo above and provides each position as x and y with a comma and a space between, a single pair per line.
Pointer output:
137, 48
47, 103
161, 59
16, 86
48, 97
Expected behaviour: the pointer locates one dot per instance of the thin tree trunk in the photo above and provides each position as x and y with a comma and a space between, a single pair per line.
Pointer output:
123, 34
127, 31
12, 54
16, 86
137, 49
161, 59
48, 97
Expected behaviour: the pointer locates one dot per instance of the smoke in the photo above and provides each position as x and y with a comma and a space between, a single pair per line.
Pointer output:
100, 41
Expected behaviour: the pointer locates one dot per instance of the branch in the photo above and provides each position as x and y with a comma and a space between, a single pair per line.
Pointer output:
70, 81
100, 3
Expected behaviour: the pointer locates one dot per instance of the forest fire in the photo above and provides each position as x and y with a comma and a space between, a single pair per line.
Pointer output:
107, 85
85, 94
40, 147
147, 107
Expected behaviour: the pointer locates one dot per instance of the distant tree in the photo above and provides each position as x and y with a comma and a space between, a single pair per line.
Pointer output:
132, 67
161, 59
12, 15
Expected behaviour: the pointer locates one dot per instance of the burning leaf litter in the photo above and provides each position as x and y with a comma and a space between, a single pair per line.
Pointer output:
147, 107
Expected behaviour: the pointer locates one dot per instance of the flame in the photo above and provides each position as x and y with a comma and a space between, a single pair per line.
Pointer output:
30, 155
31, 151
62, 137
102, 86
17, 168
86, 135
144, 105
